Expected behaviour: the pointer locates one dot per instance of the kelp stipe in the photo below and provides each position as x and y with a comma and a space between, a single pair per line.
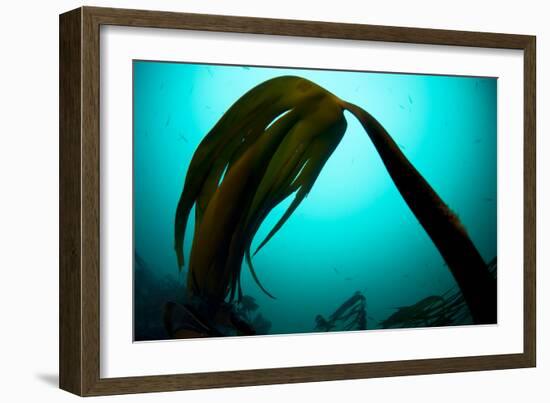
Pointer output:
440, 223
273, 142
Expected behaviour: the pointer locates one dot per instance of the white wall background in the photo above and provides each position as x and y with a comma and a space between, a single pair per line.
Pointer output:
29, 198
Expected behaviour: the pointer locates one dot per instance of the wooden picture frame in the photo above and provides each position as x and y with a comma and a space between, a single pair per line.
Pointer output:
80, 184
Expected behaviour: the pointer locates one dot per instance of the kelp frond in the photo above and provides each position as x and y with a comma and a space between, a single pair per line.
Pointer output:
273, 142
351, 315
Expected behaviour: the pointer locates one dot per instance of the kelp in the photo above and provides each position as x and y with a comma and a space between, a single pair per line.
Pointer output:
261, 324
246, 306
415, 315
191, 319
448, 309
351, 315
272, 143
247, 309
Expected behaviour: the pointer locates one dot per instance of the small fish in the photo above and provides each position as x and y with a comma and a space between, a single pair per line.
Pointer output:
488, 199
182, 137
348, 278
335, 270
210, 72
401, 106
246, 67
410, 100
477, 141
167, 121
401, 145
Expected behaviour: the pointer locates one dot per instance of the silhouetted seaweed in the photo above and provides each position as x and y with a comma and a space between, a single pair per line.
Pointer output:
272, 143
196, 318
180, 320
246, 306
449, 309
414, 315
260, 324
351, 315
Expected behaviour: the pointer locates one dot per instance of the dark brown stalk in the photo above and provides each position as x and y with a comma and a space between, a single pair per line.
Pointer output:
444, 228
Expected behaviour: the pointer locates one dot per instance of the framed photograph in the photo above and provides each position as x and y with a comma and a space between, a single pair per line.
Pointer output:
249, 201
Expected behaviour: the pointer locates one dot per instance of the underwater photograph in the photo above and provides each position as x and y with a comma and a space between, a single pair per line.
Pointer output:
276, 201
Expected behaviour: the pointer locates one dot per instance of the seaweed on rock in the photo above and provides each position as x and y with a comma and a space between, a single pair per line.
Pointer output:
192, 319
449, 309
151, 291
351, 315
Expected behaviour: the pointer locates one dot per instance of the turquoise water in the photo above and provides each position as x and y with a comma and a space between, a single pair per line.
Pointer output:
353, 232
